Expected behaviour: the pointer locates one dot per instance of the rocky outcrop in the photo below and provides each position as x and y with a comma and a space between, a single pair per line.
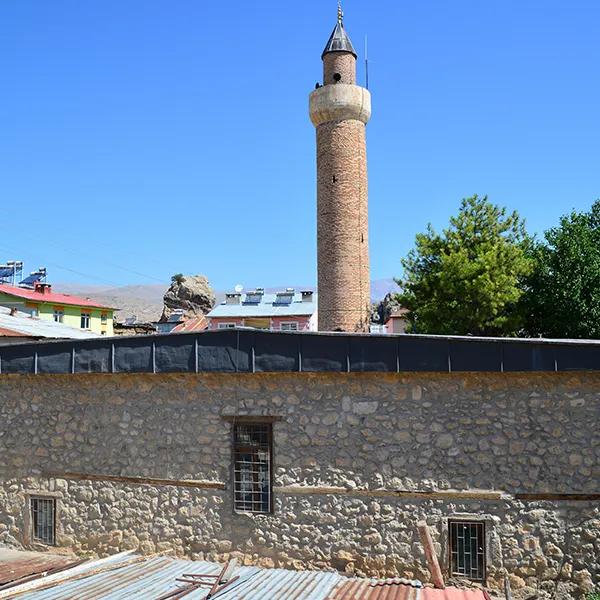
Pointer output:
191, 293
383, 309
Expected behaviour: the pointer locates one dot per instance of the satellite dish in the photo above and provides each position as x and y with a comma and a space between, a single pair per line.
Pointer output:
239, 287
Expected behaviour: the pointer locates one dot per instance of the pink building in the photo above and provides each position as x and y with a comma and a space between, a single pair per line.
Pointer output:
398, 321
283, 311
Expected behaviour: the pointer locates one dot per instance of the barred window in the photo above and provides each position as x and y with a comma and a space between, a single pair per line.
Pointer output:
252, 458
467, 549
43, 520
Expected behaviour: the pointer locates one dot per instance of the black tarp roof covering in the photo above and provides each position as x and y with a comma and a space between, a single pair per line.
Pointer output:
251, 351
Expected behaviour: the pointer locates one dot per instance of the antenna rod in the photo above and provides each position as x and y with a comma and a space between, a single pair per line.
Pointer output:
366, 63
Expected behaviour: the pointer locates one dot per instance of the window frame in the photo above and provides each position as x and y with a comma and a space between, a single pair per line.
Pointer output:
261, 421
483, 542
227, 325
288, 323
60, 313
88, 318
53, 500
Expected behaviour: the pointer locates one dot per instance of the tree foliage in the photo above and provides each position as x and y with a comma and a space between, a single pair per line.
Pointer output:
468, 279
177, 278
562, 296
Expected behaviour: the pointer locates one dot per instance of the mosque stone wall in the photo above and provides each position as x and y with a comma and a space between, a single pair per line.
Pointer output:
144, 462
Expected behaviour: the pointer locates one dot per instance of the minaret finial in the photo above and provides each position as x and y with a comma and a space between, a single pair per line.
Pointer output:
340, 13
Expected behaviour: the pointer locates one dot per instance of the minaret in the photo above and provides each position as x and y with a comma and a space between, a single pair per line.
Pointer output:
340, 110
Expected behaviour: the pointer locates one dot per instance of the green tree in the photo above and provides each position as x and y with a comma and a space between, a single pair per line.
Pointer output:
177, 278
467, 280
562, 296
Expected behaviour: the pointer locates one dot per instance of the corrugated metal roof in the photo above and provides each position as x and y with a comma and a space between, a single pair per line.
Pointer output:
15, 565
280, 584
193, 324
24, 324
49, 297
267, 307
155, 576
9, 333
372, 589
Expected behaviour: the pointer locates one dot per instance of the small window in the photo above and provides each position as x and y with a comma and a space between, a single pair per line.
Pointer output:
252, 458
43, 520
225, 325
85, 320
467, 549
103, 318
59, 316
291, 326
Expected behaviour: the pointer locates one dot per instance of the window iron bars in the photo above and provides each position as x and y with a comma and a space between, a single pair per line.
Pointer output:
467, 549
43, 520
252, 467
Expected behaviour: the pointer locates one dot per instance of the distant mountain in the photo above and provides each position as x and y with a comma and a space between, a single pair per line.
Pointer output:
380, 288
145, 302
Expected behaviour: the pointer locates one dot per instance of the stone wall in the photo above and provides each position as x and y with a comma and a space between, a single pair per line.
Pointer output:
372, 454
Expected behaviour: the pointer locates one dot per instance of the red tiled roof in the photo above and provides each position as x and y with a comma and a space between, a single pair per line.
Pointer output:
399, 589
453, 593
49, 297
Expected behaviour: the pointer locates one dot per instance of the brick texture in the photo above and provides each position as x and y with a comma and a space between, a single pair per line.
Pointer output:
342, 214
339, 62
342, 227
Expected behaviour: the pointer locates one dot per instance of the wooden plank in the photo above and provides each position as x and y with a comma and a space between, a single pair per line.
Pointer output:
191, 483
443, 494
430, 555
552, 496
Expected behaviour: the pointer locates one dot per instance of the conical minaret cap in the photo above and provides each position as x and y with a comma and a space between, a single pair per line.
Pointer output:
339, 40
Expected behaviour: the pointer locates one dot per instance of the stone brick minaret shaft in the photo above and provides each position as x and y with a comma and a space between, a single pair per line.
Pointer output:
340, 110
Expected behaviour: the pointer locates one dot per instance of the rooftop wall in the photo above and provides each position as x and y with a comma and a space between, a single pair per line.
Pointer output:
252, 351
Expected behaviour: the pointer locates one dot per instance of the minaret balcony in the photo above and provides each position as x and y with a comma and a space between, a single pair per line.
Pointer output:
339, 102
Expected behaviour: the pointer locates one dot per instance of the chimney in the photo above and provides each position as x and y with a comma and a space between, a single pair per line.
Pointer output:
307, 295
233, 298
42, 288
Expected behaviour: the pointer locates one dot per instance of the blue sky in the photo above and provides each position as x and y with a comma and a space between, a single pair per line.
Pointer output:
143, 138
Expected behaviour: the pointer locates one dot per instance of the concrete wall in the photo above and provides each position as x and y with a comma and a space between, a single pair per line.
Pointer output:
143, 461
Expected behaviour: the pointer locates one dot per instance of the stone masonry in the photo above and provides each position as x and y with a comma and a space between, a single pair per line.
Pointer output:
144, 461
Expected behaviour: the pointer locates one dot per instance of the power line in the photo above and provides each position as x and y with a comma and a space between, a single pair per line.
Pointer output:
63, 268
114, 265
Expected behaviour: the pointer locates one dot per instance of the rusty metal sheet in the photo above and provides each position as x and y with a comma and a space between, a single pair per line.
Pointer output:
369, 589
15, 565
